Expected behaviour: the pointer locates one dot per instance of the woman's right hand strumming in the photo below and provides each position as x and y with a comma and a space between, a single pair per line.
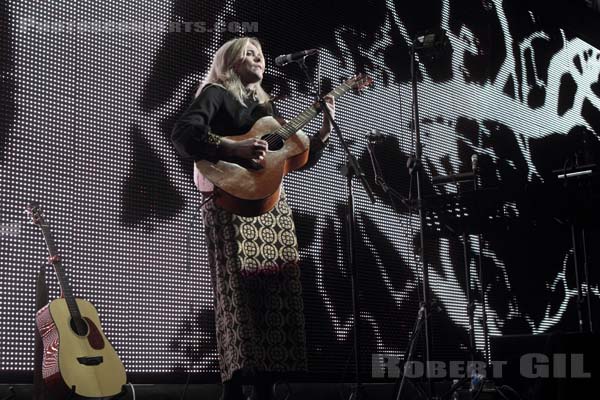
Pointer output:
248, 149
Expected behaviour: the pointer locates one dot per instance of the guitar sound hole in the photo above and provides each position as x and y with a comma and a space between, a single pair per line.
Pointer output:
275, 141
81, 328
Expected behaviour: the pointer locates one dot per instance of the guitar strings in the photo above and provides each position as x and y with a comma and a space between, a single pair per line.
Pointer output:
274, 137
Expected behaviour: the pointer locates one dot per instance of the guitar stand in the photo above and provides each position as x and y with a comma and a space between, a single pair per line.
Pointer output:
71, 395
122, 393
11, 395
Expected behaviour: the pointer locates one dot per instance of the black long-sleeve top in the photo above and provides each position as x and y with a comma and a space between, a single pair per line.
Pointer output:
217, 110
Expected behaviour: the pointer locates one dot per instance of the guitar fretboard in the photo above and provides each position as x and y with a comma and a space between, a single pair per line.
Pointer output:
307, 115
60, 273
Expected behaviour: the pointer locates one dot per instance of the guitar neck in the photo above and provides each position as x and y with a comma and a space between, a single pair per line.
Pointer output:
309, 113
60, 272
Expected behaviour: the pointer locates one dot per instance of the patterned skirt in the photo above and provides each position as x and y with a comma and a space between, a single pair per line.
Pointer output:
259, 312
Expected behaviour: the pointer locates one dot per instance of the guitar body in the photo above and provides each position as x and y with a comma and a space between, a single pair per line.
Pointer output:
88, 363
248, 191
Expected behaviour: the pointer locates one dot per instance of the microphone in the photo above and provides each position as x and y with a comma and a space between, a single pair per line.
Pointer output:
294, 57
475, 163
461, 177
375, 136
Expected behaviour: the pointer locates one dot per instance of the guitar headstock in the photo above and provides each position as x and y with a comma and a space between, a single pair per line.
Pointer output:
359, 82
35, 212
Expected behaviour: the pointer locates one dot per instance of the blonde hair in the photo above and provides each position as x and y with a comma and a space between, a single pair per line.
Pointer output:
222, 70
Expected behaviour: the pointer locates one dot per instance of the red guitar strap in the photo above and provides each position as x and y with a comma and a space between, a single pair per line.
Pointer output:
41, 299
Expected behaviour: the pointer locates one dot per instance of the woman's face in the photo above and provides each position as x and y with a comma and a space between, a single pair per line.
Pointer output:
250, 69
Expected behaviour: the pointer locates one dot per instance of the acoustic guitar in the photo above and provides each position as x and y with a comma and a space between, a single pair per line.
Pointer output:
251, 190
78, 358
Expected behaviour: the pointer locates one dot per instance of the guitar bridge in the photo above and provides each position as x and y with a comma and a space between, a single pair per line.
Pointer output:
250, 164
90, 360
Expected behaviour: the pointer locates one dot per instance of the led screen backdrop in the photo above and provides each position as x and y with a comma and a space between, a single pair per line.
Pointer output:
90, 92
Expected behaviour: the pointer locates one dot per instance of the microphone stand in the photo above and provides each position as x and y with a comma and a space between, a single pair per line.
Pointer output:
482, 281
351, 169
575, 174
415, 169
379, 180
477, 383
